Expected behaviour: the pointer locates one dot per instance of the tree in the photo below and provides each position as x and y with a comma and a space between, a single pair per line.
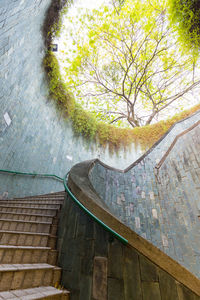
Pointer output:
125, 65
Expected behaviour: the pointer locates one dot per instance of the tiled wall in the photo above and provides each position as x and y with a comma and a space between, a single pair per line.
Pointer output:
33, 134
164, 209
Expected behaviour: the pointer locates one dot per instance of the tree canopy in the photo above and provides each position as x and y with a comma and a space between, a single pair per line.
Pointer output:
185, 16
125, 65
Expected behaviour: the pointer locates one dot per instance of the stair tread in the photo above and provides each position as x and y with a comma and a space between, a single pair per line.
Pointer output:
31, 200
40, 197
28, 202
45, 208
24, 247
24, 221
32, 293
25, 232
21, 267
29, 257
59, 194
24, 214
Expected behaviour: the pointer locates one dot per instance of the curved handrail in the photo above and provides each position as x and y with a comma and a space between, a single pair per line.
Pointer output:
118, 236
31, 174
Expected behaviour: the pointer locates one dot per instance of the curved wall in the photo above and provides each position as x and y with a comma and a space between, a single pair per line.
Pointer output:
161, 205
117, 271
33, 134
97, 266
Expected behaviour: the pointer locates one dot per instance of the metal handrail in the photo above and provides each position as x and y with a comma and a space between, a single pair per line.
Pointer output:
31, 174
64, 181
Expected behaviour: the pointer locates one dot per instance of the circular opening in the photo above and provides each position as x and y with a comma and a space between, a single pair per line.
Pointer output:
87, 120
123, 63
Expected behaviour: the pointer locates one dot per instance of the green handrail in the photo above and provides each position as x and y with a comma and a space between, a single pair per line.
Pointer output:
31, 174
64, 180
118, 236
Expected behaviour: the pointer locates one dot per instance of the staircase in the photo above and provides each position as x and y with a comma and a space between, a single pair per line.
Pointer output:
28, 256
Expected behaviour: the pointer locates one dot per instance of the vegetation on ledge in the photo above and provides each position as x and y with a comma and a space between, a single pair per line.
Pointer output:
85, 124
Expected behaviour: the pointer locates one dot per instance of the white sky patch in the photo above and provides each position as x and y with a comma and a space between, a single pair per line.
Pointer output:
65, 41
90, 4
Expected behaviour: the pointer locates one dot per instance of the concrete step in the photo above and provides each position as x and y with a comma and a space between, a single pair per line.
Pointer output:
27, 226
44, 293
23, 209
29, 204
22, 276
18, 238
28, 217
52, 195
27, 255
34, 200
23, 254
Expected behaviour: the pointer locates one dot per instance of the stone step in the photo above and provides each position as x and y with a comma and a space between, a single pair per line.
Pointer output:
34, 201
22, 209
22, 276
30, 204
27, 255
42, 196
45, 293
28, 217
27, 226
18, 238
52, 195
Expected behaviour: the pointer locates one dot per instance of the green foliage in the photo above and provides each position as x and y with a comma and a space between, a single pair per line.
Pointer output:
57, 27
57, 86
125, 65
85, 124
185, 16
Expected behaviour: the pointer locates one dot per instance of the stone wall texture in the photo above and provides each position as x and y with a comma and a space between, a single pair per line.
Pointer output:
97, 266
34, 136
162, 205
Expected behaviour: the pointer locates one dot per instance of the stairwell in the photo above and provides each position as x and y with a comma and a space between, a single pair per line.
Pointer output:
28, 255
